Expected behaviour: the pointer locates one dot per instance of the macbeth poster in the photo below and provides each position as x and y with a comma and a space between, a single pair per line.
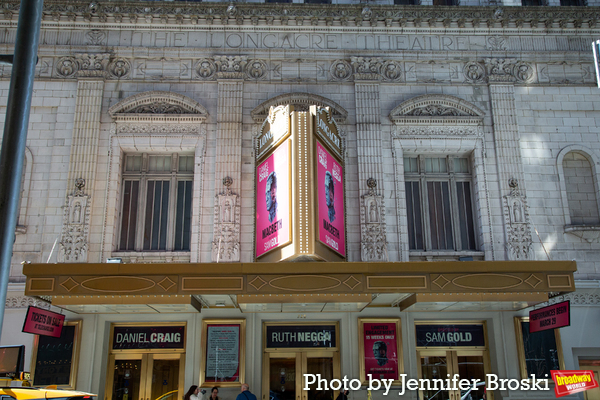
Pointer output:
330, 181
273, 201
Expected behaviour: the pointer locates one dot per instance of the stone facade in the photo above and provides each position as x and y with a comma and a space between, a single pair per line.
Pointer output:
510, 89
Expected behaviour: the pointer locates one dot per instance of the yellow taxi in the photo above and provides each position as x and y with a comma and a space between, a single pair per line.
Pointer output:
31, 393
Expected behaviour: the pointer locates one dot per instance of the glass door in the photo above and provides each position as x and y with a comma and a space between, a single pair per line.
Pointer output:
282, 377
283, 374
468, 364
146, 376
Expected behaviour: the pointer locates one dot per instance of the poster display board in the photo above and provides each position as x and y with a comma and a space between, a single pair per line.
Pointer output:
273, 206
54, 360
223, 352
380, 349
330, 191
554, 316
539, 352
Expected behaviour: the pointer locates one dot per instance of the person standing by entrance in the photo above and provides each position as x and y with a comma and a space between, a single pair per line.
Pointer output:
192, 393
246, 394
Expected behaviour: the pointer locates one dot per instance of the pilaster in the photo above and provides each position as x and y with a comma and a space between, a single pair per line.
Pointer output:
501, 77
73, 245
228, 168
367, 73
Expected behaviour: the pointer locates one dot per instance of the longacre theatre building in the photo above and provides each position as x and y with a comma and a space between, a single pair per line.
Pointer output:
227, 192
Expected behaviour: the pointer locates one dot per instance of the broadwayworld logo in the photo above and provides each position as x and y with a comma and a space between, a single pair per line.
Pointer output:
569, 382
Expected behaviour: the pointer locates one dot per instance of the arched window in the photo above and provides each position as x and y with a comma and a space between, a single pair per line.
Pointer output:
580, 188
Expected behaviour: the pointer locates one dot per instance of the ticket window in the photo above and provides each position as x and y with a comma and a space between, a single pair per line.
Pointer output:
467, 357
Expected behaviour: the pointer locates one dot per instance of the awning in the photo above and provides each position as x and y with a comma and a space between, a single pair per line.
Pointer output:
300, 286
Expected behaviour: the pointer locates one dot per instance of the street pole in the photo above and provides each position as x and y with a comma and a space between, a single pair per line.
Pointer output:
15, 133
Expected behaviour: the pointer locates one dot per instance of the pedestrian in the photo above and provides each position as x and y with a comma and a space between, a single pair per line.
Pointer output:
192, 393
343, 395
246, 394
214, 394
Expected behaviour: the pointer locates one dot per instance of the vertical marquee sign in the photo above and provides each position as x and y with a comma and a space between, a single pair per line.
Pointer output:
273, 186
299, 186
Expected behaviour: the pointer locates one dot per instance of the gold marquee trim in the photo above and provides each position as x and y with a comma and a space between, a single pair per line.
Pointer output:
71, 282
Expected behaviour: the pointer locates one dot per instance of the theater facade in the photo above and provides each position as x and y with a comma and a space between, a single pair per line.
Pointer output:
218, 193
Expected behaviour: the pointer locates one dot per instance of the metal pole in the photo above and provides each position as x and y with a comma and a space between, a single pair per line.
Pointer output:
15, 133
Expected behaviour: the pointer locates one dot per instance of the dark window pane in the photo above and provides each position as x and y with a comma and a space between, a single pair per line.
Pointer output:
157, 212
572, 3
129, 215
413, 204
440, 216
465, 213
183, 215
532, 3
405, 2
445, 2
317, 1
278, 1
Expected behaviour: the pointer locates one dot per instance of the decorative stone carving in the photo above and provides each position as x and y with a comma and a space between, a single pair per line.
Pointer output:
366, 68
373, 228
441, 110
508, 70
257, 69
226, 234
119, 68
159, 129
95, 37
73, 244
438, 131
91, 65
577, 299
67, 67
341, 70
206, 68
299, 100
516, 216
230, 67
157, 103
25, 302
474, 72
391, 71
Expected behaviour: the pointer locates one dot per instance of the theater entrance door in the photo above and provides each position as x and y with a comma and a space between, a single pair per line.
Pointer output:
292, 350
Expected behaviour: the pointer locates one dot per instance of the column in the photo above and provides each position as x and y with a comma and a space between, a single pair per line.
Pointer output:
228, 168
73, 245
502, 73
370, 171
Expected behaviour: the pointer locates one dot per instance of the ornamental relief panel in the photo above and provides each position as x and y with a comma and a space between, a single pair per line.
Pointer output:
494, 70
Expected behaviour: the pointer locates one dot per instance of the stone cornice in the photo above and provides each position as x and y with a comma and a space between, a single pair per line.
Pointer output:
118, 14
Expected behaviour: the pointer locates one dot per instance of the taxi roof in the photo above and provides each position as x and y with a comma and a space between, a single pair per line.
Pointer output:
31, 393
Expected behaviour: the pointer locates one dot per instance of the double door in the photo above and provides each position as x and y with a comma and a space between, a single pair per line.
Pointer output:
467, 364
145, 376
283, 374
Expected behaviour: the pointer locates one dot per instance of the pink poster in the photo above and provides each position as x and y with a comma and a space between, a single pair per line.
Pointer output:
330, 180
273, 201
381, 353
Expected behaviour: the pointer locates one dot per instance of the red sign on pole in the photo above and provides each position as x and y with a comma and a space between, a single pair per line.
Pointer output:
42, 322
551, 317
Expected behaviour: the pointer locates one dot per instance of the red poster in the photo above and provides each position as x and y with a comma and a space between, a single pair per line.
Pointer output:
330, 181
273, 201
381, 352
551, 317
569, 382
42, 322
